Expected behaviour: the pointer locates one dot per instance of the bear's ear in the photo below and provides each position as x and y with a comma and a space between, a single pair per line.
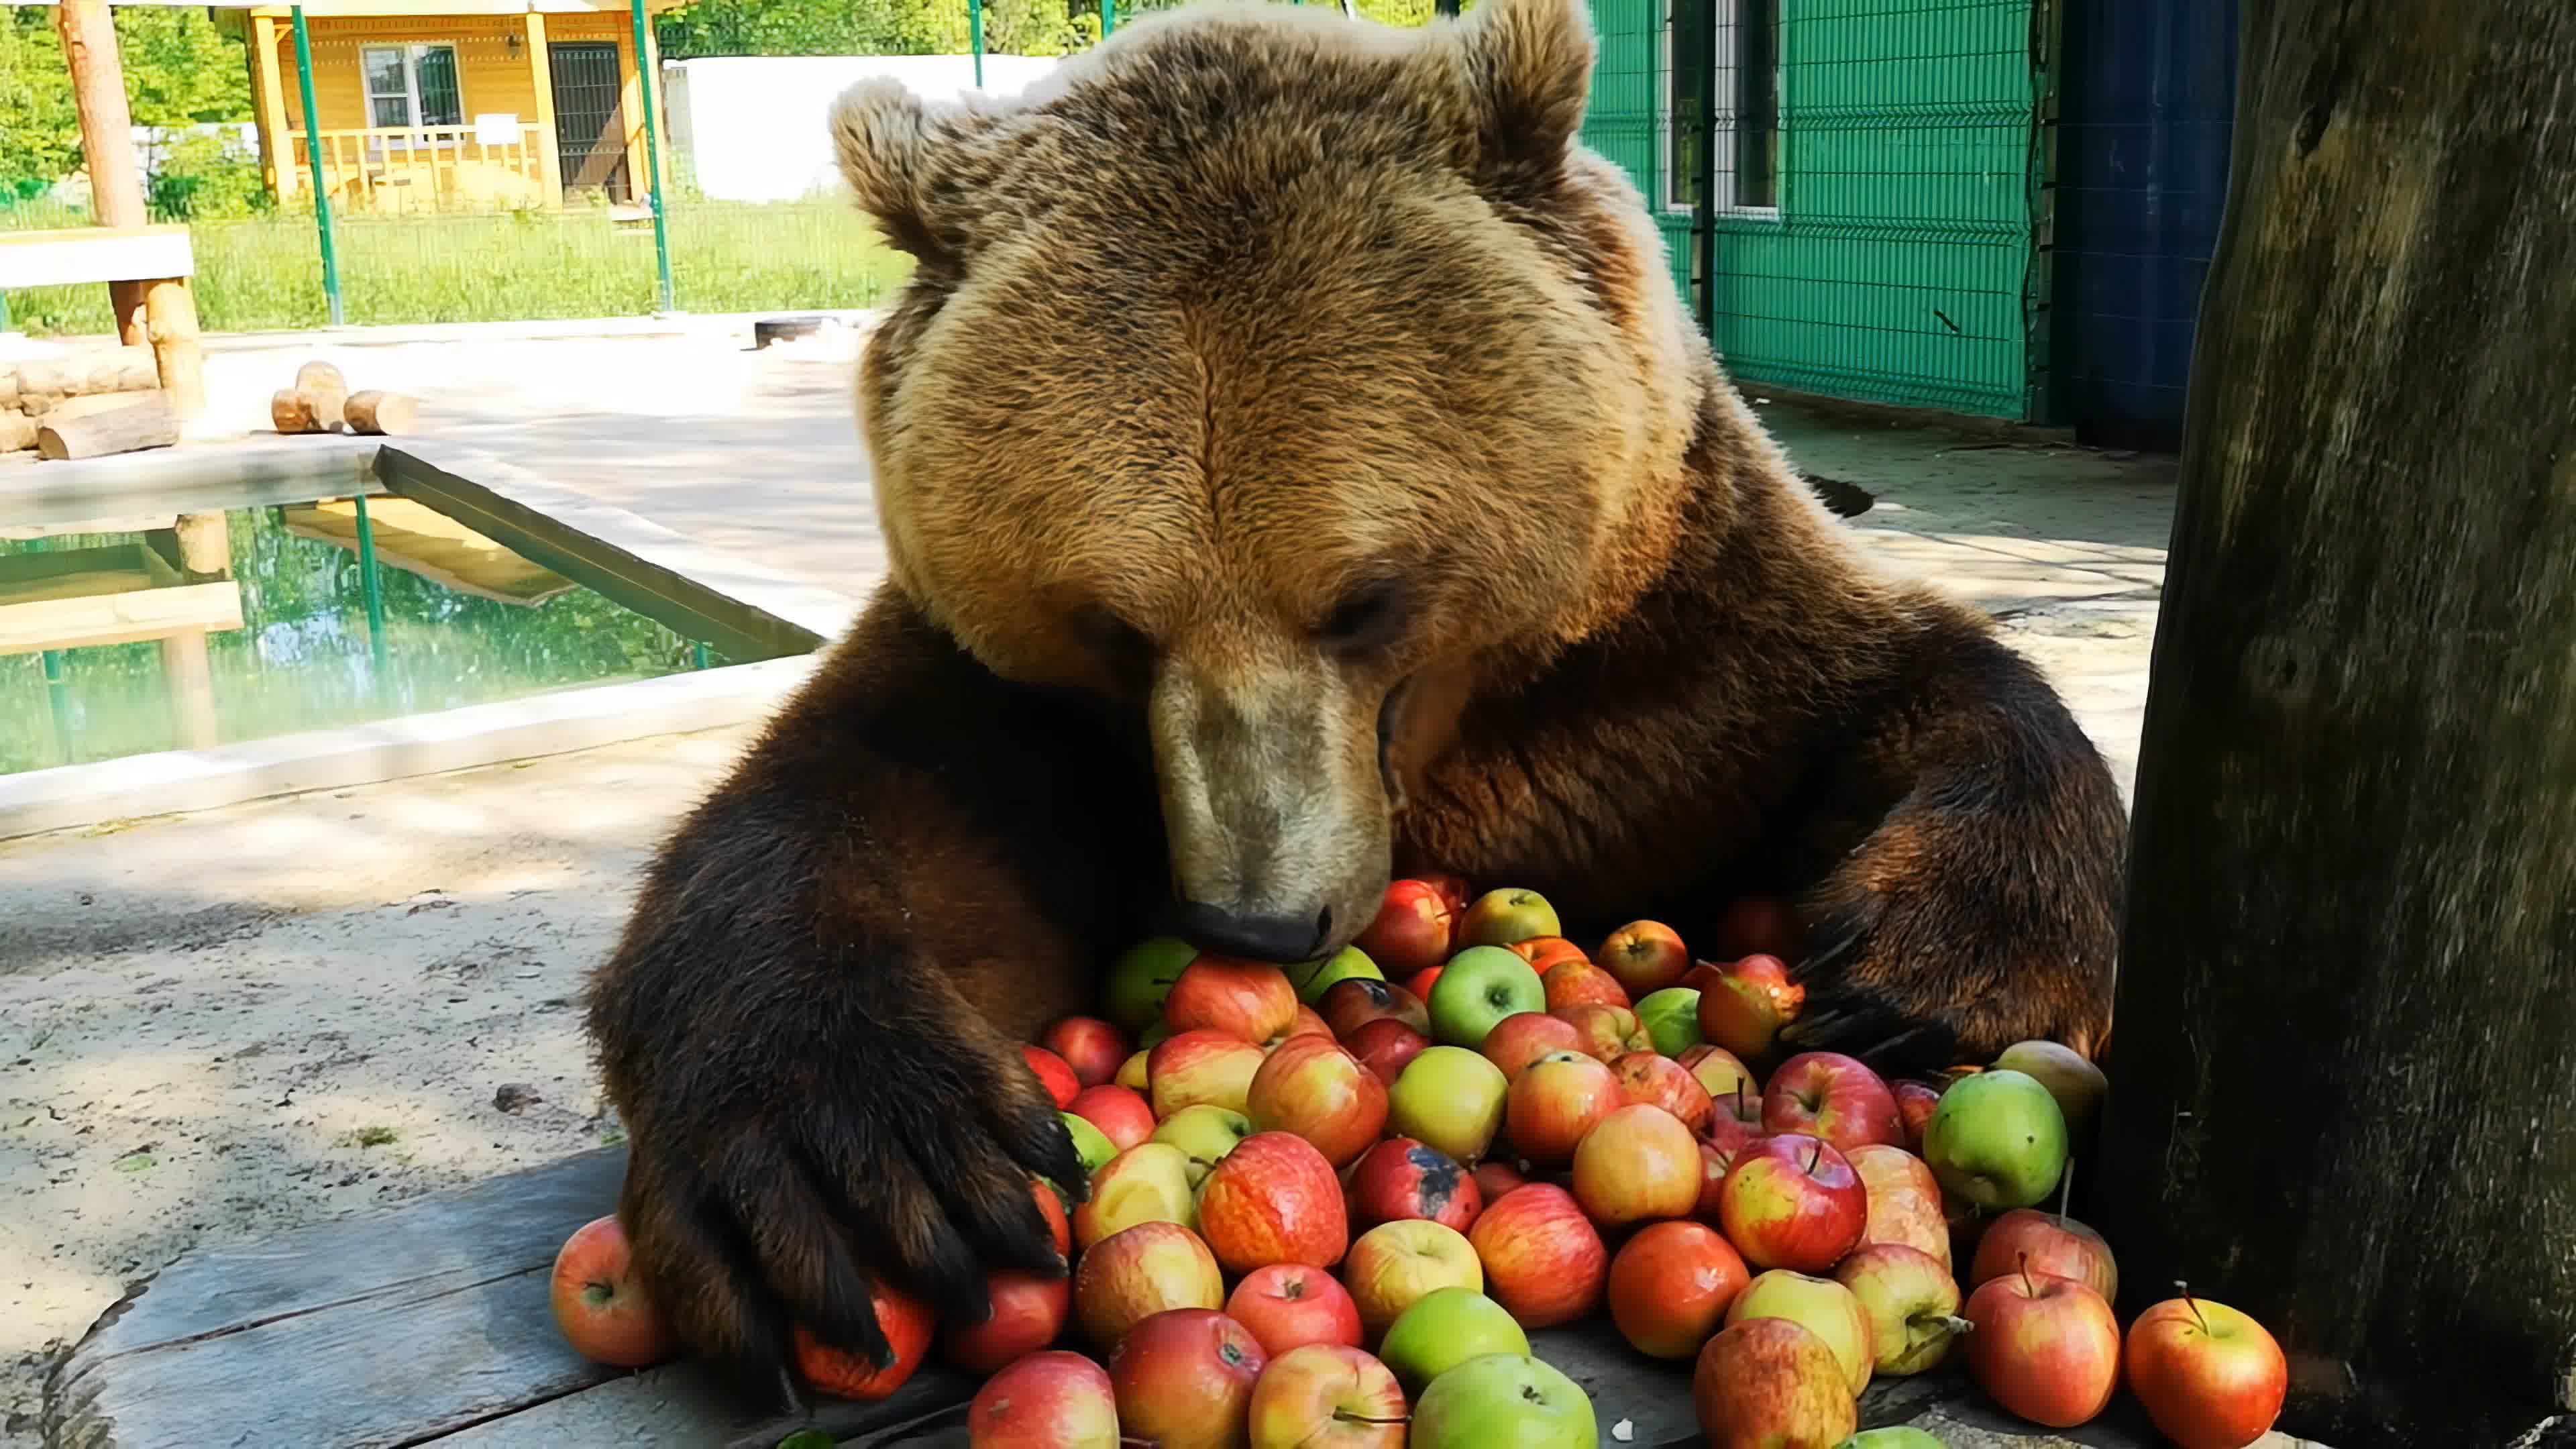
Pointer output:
882, 135
1529, 69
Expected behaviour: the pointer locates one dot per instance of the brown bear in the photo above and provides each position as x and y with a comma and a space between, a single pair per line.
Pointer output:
1296, 466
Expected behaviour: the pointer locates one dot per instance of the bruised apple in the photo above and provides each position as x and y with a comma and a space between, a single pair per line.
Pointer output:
599, 1300
1401, 1178
1352, 1004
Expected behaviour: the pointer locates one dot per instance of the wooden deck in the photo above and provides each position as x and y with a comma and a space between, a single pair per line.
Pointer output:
427, 1324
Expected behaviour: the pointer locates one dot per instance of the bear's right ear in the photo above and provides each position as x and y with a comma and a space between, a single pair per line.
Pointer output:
1529, 73
882, 135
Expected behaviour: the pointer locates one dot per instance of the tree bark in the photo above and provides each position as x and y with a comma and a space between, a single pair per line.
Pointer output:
2346, 1027
146, 422
106, 122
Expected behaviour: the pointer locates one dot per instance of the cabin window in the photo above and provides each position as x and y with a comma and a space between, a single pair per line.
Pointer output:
1741, 39
412, 86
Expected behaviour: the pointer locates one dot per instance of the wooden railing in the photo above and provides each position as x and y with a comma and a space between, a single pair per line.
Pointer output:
427, 168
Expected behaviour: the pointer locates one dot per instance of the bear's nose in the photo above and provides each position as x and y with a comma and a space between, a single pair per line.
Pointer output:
1223, 932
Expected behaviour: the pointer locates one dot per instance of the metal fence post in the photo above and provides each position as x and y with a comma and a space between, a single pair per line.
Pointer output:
646, 78
1704, 175
1108, 17
975, 37
313, 160
372, 589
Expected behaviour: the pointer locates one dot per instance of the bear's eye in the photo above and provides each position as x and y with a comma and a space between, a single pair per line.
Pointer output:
1368, 618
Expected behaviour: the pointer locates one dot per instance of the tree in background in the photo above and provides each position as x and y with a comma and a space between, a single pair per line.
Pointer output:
179, 71
918, 27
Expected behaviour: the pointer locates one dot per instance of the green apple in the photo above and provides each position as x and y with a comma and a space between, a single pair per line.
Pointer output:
2077, 1084
1477, 989
1503, 1401
1090, 1142
1507, 918
1671, 1017
1903, 1436
1450, 1098
1443, 1329
1206, 1132
1997, 1140
1313, 978
1142, 976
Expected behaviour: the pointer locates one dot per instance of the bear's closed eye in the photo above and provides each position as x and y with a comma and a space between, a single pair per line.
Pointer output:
1368, 618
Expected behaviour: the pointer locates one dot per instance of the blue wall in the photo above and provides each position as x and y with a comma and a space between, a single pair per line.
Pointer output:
2146, 118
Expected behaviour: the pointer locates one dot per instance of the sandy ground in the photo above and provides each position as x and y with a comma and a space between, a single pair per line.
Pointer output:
238, 1020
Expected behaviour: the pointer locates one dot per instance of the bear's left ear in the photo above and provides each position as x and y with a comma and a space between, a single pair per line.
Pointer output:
1529, 72
883, 136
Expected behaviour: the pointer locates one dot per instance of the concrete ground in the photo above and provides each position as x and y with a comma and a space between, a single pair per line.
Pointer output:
274, 1012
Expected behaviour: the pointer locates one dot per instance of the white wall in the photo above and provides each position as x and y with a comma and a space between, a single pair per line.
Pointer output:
753, 128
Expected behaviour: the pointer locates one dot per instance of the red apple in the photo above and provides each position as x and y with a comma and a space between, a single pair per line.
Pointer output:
1052, 1400
1124, 1117
1327, 1396
2044, 1243
1555, 1102
1250, 1000
1793, 1202
1313, 1088
1028, 1313
906, 1322
1645, 956
1304, 1023
1771, 1383
1055, 1074
1493, 1179
1395, 1264
1092, 1047
1184, 1377
1453, 889
1662, 1082
1051, 1207
1713, 1164
1523, 1037
1719, 1073
599, 1300
1914, 1104
1762, 925
1401, 1178
1192, 1067
2209, 1375
1419, 984
1546, 953
1542, 1259
1579, 983
1274, 1199
1349, 1004
1412, 930
1640, 1163
1609, 1032
1287, 1305
2044, 1347
1735, 1120
1832, 1096
1904, 1202
1670, 1286
1143, 1271
1386, 1047
1743, 1005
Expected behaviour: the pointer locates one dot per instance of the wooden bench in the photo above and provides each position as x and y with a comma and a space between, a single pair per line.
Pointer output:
428, 1324
146, 269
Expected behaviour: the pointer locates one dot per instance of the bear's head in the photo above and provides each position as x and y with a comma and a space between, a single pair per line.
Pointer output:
1296, 380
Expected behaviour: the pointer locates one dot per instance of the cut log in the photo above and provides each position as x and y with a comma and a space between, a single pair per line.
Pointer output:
2345, 1031
34, 387
321, 377
380, 413
17, 432
147, 422
326, 392
297, 410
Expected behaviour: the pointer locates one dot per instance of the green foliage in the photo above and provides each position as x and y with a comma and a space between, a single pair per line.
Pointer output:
917, 27
179, 71
196, 179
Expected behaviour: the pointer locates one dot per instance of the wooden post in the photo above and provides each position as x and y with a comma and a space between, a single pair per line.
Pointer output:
541, 74
204, 545
2345, 1036
191, 679
278, 156
88, 33
170, 317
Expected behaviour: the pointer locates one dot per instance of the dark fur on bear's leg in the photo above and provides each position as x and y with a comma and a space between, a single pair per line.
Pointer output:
811, 1024
1979, 910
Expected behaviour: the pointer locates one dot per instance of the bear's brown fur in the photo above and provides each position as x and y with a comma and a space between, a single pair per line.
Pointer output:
1296, 465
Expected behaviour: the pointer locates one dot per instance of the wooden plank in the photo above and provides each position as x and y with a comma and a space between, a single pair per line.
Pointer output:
118, 618
74, 255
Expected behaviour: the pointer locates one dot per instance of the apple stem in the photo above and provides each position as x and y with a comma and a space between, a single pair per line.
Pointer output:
2065, 1190
2027, 1286
1956, 1324
1815, 1157
2192, 1303
1365, 1419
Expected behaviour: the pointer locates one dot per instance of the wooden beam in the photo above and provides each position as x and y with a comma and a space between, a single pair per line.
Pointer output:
276, 151
2344, 1032
541, 75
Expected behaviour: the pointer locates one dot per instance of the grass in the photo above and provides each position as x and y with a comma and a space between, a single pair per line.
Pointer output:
265, 273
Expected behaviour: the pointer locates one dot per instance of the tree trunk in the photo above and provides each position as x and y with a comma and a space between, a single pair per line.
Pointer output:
106, 123
2346, 1030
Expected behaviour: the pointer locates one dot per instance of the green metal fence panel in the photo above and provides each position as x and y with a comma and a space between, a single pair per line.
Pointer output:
1872, 167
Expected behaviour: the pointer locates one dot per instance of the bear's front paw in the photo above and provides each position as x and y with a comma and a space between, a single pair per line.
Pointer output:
765, 1197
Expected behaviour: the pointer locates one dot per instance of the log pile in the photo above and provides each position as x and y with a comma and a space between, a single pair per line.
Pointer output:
320, 402
98, 384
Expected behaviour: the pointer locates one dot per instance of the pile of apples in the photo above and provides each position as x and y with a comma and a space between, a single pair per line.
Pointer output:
1327, 1209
